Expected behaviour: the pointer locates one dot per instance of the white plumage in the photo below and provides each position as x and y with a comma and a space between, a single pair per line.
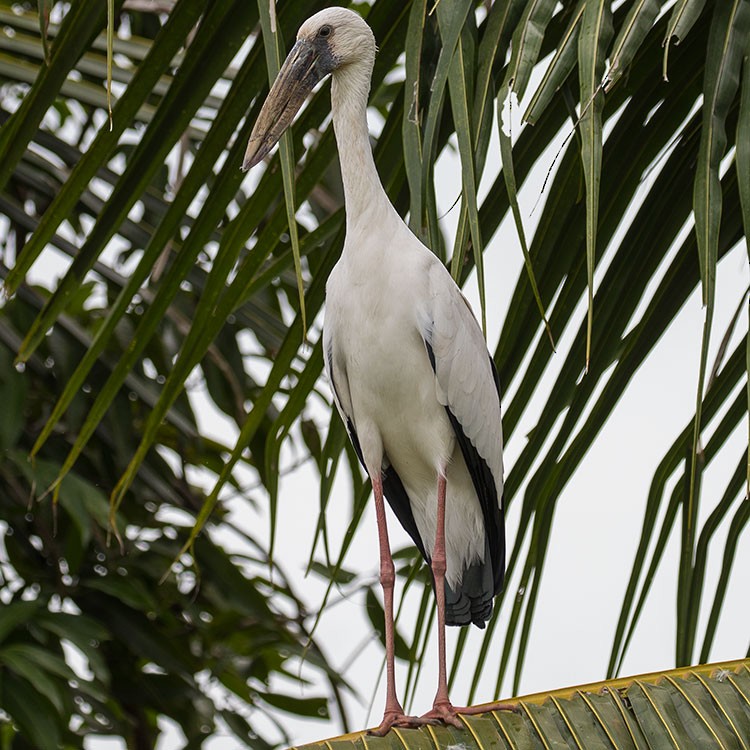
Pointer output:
383, 300
410, 371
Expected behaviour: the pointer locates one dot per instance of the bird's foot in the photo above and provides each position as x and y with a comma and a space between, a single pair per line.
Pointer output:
402, 721
447, 713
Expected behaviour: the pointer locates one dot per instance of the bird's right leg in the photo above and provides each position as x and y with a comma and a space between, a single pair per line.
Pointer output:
394, 714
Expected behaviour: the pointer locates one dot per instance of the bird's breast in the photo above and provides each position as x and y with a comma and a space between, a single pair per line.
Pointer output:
376, 341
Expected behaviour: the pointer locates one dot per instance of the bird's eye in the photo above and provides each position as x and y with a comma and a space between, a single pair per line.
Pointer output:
324, 31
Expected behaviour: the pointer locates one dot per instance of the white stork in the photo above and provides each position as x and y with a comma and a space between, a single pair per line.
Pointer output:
407, 362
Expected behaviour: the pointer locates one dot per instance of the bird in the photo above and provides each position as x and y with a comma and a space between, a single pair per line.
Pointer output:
411, 375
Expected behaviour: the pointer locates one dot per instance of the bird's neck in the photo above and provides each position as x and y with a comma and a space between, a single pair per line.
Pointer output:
363, 192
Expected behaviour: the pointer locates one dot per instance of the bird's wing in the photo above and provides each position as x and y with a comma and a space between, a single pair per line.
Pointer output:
339, 383
393, 487
467, 385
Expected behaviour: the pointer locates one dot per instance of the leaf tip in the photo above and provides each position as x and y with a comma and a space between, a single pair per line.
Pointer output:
550, 336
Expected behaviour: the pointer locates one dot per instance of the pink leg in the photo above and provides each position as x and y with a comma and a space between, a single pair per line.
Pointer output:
442, 708
439, 568
394, 713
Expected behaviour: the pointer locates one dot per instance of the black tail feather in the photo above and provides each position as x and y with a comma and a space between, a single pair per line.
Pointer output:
471, 602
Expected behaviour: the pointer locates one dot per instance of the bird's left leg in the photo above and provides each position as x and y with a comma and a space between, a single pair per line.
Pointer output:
441, 707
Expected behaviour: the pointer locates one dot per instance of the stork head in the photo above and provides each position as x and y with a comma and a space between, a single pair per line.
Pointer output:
331, 39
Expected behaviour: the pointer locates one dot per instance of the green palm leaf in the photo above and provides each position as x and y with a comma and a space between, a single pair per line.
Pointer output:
703, 706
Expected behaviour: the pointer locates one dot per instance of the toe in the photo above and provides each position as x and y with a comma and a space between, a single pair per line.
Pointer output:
446, 713
401, 720
486, 709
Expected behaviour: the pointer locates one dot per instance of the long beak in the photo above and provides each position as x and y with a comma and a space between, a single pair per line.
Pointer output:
296, 79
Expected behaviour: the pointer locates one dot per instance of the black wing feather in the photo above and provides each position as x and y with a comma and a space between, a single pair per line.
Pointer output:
484, 484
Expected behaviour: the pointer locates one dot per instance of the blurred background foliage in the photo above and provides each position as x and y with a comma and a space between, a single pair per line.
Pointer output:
147, 278
92, 640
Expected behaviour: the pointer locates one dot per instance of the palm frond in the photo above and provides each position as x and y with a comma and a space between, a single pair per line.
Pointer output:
704, 706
